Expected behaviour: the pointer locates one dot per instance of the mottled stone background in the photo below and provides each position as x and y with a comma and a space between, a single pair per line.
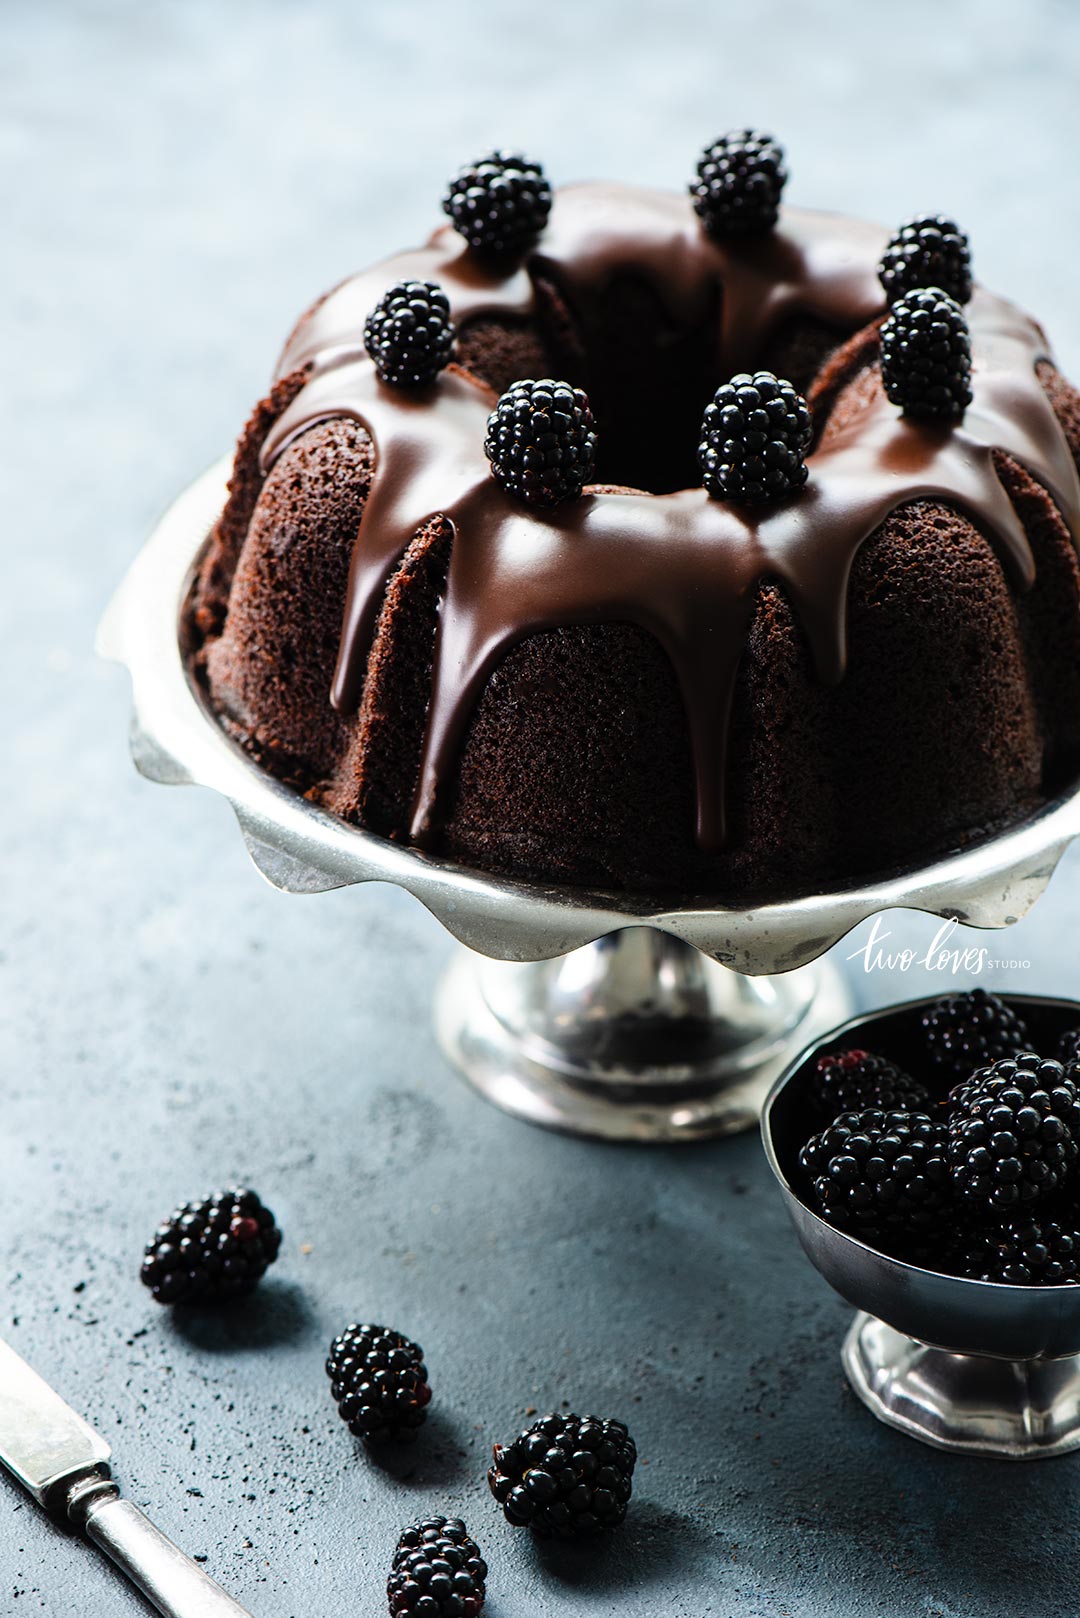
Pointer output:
177, 181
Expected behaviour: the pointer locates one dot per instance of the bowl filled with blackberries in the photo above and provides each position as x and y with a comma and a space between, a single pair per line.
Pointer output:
929, 1157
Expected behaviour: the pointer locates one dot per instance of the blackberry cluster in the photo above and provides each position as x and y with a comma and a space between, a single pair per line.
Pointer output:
1014, 1129
883, 1176
859, 1081
1023, 1251
379, 1382
929, 251
970, 1030
437, 1571
1068, 1051
754, 437
926, 356
740, 179
541, 441
499, 204
983, 1184
409, 333
565, 1477
211, 1250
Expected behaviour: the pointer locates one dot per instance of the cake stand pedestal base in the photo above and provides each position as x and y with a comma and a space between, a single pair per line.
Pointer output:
1016, 1410
636, 1037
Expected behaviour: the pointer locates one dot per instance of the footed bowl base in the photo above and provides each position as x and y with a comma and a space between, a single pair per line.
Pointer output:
636, 1037
1014, 1410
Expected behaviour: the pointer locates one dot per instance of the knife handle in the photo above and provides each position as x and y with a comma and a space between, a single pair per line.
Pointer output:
177, 1586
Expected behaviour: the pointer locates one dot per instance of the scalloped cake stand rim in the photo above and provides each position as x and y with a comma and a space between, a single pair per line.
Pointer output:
302, 849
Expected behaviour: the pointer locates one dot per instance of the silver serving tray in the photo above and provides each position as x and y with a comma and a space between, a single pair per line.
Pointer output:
302, 849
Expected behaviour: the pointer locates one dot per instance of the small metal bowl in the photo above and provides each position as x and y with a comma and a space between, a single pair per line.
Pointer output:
964, 1365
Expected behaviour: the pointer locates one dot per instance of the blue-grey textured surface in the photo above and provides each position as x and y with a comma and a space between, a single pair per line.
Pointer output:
177, 181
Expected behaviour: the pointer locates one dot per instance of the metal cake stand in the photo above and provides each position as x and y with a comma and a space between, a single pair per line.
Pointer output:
599, 1013
972, 1366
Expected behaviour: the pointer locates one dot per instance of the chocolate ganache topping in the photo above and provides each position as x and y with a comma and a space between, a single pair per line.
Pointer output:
681, 566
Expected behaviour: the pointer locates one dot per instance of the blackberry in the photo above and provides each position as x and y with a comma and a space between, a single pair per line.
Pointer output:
856, 1081
437, 1571
881, 1175
926, 356
754, 436
541, 441
1024, 1251
565, 1477
409, 333
740, 178
1013, 1133
379, 1382
500, 204
970, 1030
1068, 1051
929, 251
211, 1250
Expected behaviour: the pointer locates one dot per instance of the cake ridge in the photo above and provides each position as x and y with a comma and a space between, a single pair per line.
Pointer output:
681, 566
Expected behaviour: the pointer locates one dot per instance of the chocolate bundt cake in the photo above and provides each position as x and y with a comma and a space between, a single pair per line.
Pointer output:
499, 616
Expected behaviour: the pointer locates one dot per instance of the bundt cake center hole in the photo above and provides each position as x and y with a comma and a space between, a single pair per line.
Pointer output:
649, 377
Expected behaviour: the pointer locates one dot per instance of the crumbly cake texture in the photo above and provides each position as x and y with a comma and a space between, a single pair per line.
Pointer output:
595, 742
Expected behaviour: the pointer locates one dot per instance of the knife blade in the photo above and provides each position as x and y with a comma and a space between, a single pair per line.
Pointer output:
65, 1465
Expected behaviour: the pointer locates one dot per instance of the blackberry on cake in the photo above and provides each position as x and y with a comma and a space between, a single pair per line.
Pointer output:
740, 180
565, 1477
860, 1081
928, 251
754, 437
926, 356
437, 1571
883, 1176
541, 442
1014, 1130
379, 1383
499, 204
212, 1249
970, 1030
409, 333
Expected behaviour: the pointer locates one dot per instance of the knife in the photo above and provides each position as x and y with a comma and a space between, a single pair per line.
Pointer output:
65, 1465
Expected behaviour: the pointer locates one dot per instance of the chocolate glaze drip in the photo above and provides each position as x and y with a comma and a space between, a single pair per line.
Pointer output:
812, 263
681, 566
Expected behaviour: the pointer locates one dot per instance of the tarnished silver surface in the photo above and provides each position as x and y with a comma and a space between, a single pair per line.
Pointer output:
1013, 1410
633, 1035
64, 1464
43, 1442
975, 1366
